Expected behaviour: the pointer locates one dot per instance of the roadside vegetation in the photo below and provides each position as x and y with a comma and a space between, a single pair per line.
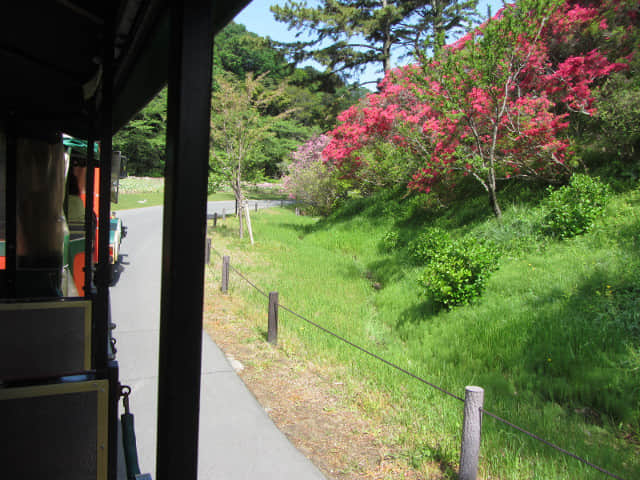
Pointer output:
554, 338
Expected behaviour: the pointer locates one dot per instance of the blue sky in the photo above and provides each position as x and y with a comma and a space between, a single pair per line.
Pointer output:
258, 19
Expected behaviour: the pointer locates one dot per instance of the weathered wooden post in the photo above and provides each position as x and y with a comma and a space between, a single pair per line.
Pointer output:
224, 214
207, 252
225, 274
281, 203
471, 433
297, 212
215, 219
256, 206
272, 328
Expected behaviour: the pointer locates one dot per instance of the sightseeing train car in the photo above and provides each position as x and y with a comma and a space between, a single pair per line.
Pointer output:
84, 68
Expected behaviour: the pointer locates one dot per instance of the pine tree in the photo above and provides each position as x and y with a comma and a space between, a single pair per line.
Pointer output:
348, 35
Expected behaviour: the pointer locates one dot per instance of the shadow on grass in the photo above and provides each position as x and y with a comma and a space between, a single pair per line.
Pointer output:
223, 230
417, 313
574, 350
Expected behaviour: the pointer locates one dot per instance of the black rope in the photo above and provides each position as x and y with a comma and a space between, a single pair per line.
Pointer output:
548, 443
377, 357
248, 281
241, 275
420, 379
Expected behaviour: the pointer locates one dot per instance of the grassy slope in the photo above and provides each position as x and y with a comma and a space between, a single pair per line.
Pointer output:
554, 340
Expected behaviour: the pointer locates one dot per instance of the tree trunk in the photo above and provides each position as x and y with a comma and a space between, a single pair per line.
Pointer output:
493, 201
386, 47
439, 29
239, 199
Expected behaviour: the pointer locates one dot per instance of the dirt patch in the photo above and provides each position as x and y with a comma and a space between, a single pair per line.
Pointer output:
316, 412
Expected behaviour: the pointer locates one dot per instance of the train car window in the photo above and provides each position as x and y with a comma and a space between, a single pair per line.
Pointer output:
41, 226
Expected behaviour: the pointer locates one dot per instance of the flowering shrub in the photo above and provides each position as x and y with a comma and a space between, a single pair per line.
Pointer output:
310, 180
496, 105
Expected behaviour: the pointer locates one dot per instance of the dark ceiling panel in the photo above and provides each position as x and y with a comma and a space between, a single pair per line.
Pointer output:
49, 49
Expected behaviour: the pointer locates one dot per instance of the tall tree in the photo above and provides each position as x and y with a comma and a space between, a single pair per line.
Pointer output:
239, 51
351, 34
142, 140
238, 126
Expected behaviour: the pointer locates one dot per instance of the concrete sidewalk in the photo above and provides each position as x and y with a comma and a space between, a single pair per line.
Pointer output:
238, 440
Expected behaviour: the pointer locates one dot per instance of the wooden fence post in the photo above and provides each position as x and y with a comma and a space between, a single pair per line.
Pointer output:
225, 274
471, 433
224, 214
207, 252
256, 206
281, 203
215, 219
272, 329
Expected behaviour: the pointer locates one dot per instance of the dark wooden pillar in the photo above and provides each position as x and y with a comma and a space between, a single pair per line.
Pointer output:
88, 217
101, 301
190, 63
11, 193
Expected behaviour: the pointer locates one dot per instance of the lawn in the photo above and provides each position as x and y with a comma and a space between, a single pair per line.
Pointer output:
139, 192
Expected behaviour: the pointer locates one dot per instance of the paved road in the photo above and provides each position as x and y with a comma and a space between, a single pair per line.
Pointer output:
238, 440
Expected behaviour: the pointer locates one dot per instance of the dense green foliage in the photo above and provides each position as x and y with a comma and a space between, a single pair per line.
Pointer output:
458, 272
314, 98
612, 138
143, 139
572, 209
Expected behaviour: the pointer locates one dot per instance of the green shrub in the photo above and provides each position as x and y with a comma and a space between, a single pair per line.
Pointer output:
458, 271
572, 209
390, 241
428, 244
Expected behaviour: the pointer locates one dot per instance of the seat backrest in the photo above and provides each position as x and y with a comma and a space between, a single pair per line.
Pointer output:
45, 339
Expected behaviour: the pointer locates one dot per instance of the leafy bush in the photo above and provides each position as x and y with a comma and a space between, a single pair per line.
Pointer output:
428, 245
390, 241
458, 271
455, 270
618, 118
572, 209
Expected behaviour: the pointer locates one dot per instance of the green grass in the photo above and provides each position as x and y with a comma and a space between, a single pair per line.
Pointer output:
138, 192
138, 200
554, 339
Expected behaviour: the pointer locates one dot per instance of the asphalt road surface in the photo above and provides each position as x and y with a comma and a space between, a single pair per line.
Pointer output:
237, 438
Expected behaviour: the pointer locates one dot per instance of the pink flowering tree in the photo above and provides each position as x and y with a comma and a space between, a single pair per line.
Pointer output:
496, 105
310, 180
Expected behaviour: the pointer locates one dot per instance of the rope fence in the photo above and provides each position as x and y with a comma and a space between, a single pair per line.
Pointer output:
467, 472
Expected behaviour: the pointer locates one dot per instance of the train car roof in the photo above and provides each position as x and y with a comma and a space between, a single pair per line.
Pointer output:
50, 53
